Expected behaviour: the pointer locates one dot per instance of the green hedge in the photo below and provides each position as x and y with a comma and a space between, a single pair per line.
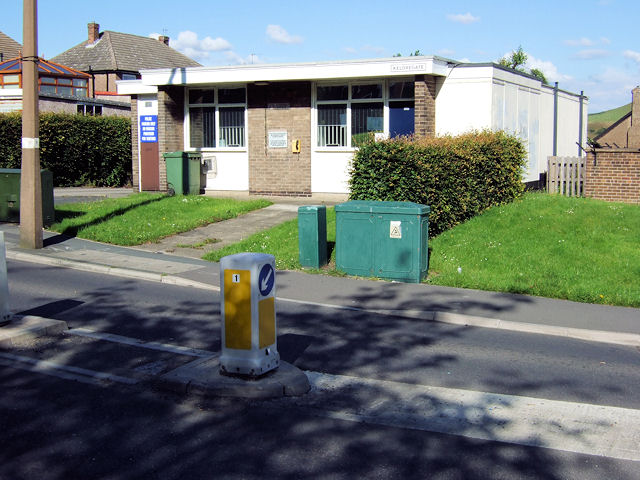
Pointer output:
78, 150
458, 177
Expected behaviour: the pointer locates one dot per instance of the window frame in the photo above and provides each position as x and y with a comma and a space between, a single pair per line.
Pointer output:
350, 83
216, 105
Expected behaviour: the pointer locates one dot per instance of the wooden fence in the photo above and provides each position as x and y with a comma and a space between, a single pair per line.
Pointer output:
566, 176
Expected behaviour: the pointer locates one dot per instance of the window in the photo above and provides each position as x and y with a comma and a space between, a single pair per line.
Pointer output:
65, 86
89, 110
217, 117
350, 114
9, 81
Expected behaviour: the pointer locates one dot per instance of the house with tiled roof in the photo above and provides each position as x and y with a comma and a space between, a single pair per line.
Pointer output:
9, 48
111, 56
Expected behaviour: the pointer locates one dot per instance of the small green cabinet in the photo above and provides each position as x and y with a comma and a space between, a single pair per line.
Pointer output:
10, 196
312, 235
383, 239
183, 172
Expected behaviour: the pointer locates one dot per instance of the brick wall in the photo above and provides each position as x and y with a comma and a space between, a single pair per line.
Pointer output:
613, 175
425, 106
284, 106
135, 171
170, 125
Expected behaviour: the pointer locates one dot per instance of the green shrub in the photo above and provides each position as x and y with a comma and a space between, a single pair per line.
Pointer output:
78, 150
458, 177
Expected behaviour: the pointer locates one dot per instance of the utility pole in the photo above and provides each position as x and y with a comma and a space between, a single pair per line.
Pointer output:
30, 180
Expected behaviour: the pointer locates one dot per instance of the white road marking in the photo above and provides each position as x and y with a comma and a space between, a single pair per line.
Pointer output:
163, 347
66, 372
568, 426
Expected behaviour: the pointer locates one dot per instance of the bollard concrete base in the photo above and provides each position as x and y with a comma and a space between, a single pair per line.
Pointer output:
202, 377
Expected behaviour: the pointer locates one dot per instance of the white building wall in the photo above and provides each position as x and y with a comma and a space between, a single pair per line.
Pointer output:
229, 170
330, 171
464, 101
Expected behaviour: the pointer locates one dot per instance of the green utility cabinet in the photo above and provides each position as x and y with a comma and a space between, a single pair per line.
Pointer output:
183, 172
312, 235
383, 239
10, 196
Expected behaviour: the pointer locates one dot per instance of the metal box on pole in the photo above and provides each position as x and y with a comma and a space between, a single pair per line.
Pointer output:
247, 298
312, 235
383, 239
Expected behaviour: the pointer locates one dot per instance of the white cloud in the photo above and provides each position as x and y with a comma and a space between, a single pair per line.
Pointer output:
549, 69
581, 42
605, 41
465, 18
279, 35
350, 50
631, 55
609, 89
189, 44
592, 53
235, 59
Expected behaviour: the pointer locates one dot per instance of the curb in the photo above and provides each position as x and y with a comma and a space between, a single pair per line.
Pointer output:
28, 327
108, 270
451, 318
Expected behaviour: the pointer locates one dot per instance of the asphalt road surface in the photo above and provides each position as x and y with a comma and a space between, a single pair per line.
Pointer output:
392, 397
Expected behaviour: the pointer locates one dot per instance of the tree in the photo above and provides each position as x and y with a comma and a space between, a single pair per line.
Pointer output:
517, 60
417, 53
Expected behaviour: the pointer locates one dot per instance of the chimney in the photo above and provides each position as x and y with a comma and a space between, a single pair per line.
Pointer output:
94, 32
633, 135
164, 39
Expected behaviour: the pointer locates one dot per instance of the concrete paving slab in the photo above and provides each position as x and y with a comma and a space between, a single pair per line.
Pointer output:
23, 328
202, 377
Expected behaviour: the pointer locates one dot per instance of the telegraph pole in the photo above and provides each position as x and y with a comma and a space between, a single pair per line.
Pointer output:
30, 180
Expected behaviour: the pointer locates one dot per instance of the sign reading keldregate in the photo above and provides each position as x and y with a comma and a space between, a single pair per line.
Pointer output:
278, 140
415, 67
149, 128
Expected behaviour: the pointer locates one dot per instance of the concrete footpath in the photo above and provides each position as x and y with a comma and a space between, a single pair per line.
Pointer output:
427, 303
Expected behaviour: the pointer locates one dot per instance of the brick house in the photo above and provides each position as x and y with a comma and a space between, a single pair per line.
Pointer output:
247, 120
111, 56
61, 89
613, 172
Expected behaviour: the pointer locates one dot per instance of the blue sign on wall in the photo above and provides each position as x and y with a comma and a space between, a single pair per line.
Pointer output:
149, 128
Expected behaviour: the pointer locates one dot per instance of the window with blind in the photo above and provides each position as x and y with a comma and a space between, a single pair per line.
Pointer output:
217, 117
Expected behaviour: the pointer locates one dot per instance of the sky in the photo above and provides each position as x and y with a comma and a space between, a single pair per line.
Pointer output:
587, 45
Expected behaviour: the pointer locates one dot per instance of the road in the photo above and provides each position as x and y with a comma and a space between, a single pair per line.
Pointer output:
82, 406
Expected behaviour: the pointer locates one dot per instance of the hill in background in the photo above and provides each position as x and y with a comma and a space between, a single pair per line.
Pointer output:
599, 122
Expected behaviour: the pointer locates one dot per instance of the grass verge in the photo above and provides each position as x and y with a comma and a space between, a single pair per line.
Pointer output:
282, 242
545, 245
145, 217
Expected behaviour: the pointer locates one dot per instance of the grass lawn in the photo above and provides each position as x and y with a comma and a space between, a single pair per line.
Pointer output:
145, 217
545, 245
280, 241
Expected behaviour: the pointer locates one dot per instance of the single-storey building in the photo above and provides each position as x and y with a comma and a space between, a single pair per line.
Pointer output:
292, 129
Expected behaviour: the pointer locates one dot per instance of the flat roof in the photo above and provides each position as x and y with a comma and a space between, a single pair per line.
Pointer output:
266, 72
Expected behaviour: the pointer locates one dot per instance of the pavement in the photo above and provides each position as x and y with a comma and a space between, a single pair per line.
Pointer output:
172, 261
